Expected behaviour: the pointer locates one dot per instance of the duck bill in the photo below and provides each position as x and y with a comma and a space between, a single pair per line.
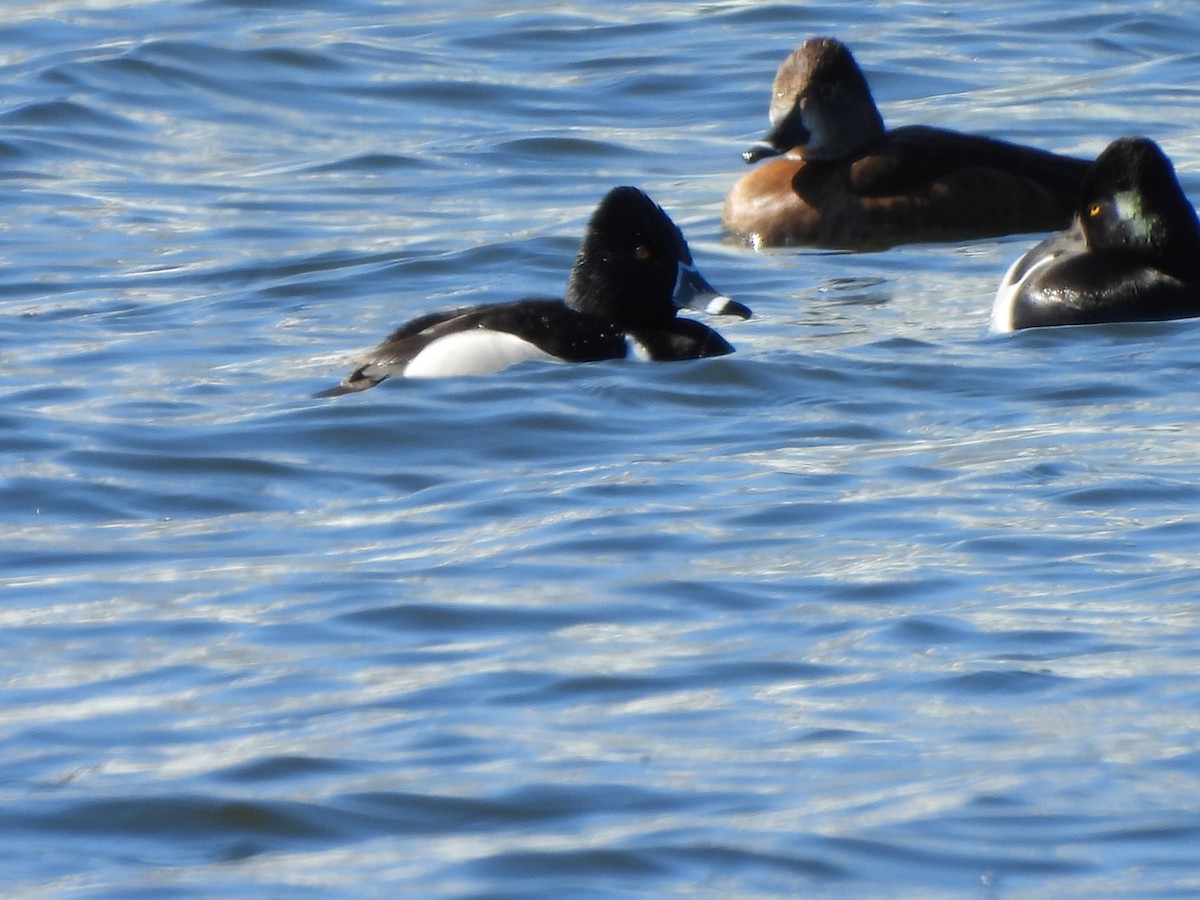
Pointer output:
759, 151
692, 291
786, 133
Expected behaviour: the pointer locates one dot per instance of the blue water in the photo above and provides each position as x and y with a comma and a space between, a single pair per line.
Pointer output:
882, 605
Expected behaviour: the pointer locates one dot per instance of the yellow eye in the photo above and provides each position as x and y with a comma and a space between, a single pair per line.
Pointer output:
1094, 210
642, 252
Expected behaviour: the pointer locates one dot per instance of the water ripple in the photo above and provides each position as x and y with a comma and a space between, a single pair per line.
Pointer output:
881, 603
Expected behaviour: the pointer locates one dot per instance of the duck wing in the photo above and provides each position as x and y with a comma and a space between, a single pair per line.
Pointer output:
913, 157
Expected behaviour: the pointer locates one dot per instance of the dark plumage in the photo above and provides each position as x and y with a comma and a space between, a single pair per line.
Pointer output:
633, 271
1132, 253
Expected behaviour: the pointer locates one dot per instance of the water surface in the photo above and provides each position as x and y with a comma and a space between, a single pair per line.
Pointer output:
881, 604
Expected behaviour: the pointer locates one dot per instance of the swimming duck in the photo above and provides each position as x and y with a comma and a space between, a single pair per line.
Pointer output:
847, 182
1132, 253
633, 271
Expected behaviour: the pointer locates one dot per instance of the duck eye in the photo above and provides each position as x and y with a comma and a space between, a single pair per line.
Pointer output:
642, 253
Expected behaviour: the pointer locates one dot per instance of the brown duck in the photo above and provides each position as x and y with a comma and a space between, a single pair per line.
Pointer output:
845, 181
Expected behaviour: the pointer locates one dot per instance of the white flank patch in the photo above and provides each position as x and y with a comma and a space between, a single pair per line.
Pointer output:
476, 352
1012, 285
1006, 297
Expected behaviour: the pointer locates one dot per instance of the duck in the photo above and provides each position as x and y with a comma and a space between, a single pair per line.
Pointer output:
632, 274
841, 180
1131, 254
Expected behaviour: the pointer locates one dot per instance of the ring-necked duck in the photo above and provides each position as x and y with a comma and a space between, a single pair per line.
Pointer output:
1131, 255
847, 182
634, 269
